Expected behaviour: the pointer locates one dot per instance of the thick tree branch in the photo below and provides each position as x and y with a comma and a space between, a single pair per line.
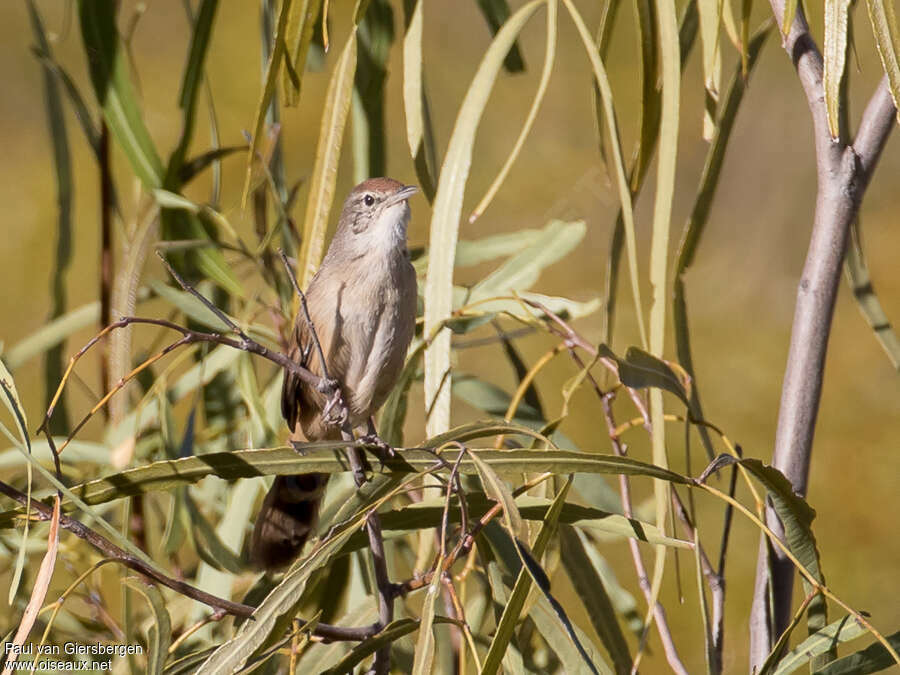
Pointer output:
843, 171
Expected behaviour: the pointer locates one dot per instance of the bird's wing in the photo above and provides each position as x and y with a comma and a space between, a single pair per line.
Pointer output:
291, 391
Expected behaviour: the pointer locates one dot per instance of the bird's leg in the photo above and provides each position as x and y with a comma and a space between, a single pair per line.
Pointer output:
335, 410
373, 443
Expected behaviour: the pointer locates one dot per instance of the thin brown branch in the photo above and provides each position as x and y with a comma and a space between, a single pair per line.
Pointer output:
573, 339
467, 542
110, 551
246, 344
716, 582
306, 316
206, 303
659, 613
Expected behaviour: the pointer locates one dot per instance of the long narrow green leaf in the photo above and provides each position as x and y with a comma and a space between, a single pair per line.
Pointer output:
712, 168
190, 87
869, 660
589, 587
710, 21
500, 493
696, 223
514, 606
328, 154
298, 37
10, 396
618, 162
549, 59
843, 630
512, 656
623, 601
193, 72
444, 229
887, 39
795, 513
14, 405
426, 514
648, 35
159, 633
277, 611
376, 36
857, 271
53, 360
425, 645
496, 13
837, 25
605, 25
796, 516
650, 113
521, 271
109, 75
419, 128
269, 84
52, 333
670, 52
80, 108
577, 657
327, 457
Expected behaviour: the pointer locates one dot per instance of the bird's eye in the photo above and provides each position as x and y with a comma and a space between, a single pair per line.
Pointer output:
368, 200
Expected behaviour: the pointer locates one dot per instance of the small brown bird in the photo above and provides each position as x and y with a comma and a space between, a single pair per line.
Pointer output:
362, 302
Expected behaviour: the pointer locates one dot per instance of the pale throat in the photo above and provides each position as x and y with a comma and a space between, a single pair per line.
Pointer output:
389, 233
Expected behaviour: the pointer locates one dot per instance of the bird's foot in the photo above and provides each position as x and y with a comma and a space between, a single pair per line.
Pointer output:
374, 444
335, 410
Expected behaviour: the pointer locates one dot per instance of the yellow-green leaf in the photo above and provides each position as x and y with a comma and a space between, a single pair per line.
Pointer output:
835, 57
328, 154
444, 229
887, 39
618, 161
419, 130
268, 92
549, 58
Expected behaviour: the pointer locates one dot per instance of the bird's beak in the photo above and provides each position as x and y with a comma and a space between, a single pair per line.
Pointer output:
401, 195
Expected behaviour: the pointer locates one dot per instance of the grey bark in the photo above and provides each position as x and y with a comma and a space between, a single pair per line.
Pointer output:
843, 169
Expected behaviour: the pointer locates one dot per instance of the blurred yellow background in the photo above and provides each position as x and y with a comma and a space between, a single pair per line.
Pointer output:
740, 291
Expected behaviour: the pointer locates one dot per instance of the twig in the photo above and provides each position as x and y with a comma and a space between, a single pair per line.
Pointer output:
659, 613
206, 303
115, 554
468, 541
714, 579
305, 308
573, 339
386, 590
246, 344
